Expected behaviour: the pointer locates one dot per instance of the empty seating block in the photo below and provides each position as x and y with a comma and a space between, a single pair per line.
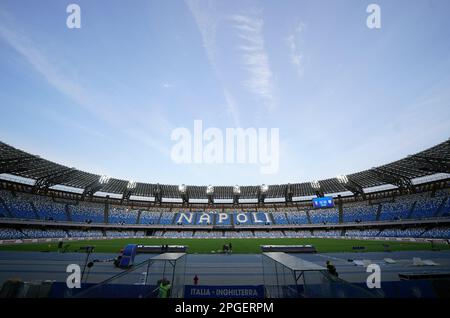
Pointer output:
49, 210
87, 212
426, 208
279, 218
324, 216
297, 217
18, 205
122, 215
360, 213
149, 217
10, 234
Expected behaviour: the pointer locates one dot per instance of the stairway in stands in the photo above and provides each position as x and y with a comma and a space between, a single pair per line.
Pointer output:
272, 219
411, 210
423, 232
308, 216
5, 208
378, 212
341, 213
68, 214
35, 213
138, 219
175, 218
440, 210
159, 218
287, 219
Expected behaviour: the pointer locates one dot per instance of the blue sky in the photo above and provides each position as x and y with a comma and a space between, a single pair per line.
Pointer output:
105, 98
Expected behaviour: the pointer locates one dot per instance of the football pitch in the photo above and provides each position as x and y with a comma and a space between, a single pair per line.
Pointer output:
240, 245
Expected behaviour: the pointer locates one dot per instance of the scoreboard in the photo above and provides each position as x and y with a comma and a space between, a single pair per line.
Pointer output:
325, 202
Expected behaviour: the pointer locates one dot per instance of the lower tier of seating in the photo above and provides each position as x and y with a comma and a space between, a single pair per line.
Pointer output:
10, 233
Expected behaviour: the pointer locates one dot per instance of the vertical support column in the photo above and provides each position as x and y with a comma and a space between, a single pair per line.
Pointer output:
106, 211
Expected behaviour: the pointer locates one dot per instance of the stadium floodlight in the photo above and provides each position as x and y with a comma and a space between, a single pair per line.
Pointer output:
182, 188
264, 188
236, 194
104, 179
209, 190
342, 178
288, 193
131, 185
315, 184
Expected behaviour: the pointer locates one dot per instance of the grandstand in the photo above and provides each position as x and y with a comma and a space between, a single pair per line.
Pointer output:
405, 202
416, 209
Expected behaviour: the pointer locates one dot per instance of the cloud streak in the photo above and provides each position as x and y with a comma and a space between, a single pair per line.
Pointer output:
295, 56
93, 103
207, 21
254, 57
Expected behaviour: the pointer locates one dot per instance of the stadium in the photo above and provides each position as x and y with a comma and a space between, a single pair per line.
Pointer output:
352, 220
186, 151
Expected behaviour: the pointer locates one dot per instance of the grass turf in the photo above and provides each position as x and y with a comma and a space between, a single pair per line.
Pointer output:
240, 246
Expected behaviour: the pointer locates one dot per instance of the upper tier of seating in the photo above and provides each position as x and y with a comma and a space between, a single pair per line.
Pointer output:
32, 206
87, 212
297, 217
121, 215
398, 210
360, 212
324, 216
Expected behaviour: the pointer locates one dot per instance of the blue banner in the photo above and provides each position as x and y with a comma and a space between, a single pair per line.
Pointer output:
201, 291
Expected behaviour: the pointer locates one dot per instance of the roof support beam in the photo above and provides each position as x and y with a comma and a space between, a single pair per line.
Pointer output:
127, 194
431, 164
393, 178
19, 164
354, 187
51, 179
92, 188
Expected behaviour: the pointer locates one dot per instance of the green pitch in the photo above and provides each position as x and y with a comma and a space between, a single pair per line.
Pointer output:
243, 246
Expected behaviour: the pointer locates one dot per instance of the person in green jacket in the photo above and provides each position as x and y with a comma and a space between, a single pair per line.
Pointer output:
164, 289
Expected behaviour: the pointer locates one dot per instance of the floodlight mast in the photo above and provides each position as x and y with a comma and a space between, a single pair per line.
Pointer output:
158, 194
288, 193
131, 186
95, 186
182, 189
351, 185
210, 194
262, 193
317, 188
236, 194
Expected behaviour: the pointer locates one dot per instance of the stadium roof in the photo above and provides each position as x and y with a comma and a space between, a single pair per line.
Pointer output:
399, 173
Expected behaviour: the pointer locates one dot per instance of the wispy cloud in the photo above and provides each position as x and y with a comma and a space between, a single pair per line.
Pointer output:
232, 107
295, 56
52, 73
94, 103
207, 21
254, 57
